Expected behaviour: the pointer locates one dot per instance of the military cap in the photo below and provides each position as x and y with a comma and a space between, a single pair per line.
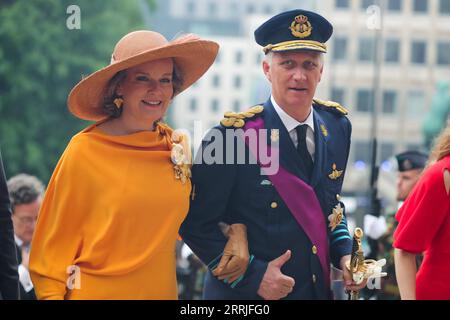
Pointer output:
294, 30
410, 160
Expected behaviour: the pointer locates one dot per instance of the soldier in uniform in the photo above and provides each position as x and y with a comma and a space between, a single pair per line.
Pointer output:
295, 221
410, 167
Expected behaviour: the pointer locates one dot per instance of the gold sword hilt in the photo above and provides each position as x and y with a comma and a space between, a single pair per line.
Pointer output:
356, 259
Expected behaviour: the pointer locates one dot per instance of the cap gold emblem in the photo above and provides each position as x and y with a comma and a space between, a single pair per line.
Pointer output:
301, 27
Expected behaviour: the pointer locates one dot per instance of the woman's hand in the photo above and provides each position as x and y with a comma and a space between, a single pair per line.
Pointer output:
234, 261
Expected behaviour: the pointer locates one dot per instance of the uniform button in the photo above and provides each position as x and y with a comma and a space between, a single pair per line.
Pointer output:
273, 205
314, 279
314, 249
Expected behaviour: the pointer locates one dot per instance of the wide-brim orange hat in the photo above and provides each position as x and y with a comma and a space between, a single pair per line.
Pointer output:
193, 57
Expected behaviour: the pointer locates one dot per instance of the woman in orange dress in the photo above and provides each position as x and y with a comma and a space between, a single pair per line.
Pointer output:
424, 226
109, 221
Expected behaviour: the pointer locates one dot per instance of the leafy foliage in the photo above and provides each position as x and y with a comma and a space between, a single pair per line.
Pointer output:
40, 61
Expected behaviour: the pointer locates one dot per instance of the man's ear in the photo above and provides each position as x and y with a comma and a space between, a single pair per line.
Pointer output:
321, 71
266, 70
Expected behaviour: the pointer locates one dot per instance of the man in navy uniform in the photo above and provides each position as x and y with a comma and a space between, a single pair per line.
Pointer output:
411, 164
295, 221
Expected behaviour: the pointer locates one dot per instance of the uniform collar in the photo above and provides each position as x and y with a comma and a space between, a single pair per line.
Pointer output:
289, 122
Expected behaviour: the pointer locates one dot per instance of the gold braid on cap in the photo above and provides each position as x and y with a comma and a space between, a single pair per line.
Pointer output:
296, 44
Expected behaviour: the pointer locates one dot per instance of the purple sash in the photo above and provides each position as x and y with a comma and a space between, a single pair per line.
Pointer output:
301, 200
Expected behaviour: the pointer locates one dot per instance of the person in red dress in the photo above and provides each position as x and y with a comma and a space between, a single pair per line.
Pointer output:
424, 226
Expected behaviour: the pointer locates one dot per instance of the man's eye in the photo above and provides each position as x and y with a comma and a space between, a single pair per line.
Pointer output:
166, 80
287, 63
310, 64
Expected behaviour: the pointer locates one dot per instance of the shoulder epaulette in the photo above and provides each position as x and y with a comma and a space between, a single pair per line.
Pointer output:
332, 106
237, 119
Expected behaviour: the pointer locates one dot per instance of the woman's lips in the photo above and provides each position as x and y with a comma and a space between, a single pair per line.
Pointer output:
152, 103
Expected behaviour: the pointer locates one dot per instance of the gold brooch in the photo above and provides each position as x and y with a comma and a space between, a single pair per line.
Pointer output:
301, 27
180, 156
274, 135
335, 173
336, 217
324, 130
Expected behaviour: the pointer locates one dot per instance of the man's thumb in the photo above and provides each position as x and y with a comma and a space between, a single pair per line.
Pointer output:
281, 260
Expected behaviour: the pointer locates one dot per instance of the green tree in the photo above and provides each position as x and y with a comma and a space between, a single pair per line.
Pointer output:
40, 61
436, 119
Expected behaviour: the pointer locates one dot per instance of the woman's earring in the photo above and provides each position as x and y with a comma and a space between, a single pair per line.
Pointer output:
118, 102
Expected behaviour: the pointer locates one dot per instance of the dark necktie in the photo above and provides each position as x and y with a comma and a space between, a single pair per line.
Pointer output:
302, 149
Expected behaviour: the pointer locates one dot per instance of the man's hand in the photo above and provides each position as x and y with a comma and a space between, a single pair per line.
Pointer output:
234, 261
275, 285
350, 285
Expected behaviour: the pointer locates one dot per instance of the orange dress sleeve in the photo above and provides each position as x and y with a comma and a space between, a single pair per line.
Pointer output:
54, 247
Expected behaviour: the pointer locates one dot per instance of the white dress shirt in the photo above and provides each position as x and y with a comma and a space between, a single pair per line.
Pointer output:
24, 274
290, 124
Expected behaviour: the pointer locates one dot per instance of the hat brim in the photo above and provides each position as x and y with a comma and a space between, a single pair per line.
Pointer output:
192, 58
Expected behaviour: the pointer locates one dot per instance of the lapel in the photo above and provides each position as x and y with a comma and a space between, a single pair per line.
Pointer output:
289, 157
320, 155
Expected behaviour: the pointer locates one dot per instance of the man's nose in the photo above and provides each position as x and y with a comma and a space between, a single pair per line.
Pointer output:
299, 75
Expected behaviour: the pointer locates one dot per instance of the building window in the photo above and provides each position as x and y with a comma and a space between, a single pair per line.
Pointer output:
238, 57
392, 51
216, 81
237, 82
364, 100
338, 95
362, 151
342, 4
416, 104
389, 101
267, 10
387, 150
418, 52
212, 9
444, 6
215, 105
420, 6
394, 5
190, 7
366, 49
443, 53
234, 9
193, 105
367, 3
236, 106
259, 58
413, 146
340, 49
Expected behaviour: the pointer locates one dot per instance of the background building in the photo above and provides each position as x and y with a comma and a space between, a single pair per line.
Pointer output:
415, 55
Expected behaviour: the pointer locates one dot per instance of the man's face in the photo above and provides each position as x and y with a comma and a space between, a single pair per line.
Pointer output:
294, 77
405, 182
24, 219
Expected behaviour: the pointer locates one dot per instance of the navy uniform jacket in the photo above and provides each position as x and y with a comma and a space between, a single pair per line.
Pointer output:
9, 278
238, 193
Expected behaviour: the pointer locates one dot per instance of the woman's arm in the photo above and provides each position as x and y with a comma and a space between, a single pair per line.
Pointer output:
405, 269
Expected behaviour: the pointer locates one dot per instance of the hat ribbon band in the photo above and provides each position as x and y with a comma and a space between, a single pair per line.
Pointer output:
293, 43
